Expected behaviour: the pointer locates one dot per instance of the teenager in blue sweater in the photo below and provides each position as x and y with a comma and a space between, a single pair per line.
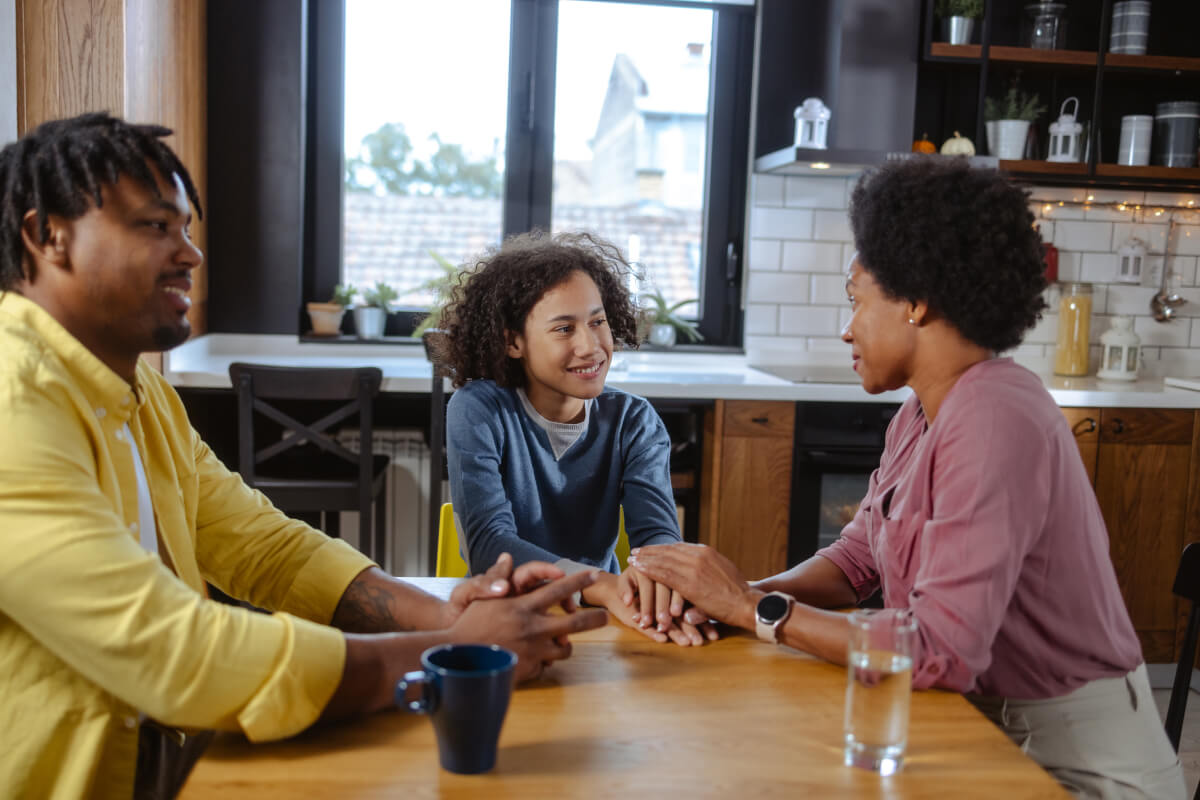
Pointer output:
541, 454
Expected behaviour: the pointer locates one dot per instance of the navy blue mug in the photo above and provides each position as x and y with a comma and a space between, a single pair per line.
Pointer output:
465, 690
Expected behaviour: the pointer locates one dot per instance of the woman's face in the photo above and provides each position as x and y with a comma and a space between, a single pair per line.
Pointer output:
879, 333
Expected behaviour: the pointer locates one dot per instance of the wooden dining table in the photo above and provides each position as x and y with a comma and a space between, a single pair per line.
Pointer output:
627, 717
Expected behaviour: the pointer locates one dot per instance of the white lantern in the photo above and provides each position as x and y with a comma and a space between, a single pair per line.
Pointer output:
1130, 257
812, 123
1065, 134
1119, 351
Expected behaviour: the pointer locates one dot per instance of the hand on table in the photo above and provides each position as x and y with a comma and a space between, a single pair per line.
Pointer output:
501, 580
708, 579
655, 606
523, 625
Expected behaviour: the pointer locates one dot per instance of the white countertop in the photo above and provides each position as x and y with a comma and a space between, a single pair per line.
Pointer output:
204, 362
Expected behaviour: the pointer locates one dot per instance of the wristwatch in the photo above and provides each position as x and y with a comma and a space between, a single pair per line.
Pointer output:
770, 613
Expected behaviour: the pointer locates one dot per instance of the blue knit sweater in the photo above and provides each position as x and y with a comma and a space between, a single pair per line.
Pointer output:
511, 495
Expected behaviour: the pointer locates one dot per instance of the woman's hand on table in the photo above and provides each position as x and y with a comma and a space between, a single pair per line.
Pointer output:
523, 625
712, 582
662, 608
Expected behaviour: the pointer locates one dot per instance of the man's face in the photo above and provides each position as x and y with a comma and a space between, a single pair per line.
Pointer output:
125, 272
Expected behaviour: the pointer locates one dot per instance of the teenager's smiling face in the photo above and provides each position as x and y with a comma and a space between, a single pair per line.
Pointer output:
565, 348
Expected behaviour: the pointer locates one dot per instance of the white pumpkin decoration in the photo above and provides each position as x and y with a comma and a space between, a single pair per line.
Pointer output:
958, 145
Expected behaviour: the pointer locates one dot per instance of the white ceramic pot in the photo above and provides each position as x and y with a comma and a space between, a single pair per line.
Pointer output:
326, 318
1010, 138
369, 322
662, 334
957, 30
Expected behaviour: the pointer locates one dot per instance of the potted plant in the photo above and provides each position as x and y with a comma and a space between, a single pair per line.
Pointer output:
958, 19
327, 317
371, 317
440, 286
665, 322
1007, 122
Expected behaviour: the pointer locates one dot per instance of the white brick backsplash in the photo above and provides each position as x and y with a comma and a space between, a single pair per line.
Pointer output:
1046, 229
1153, 235
1176, 333
1097, 267
778, 287
1196, 337
1044, 331
1068, 265
1187, 240
848, 251
808, 321
803, 192
812, 257
1185, 267
1129, 299
764, 255
828, 290
1055, 211
824, 344
1023, 351
1109, 214
1097, 326
832, 226
1089, 236
768, 190
1056, 193
1171, 199
774, 349
762, 319
781, 223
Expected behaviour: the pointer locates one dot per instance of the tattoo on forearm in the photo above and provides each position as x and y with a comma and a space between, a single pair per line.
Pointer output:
366, 607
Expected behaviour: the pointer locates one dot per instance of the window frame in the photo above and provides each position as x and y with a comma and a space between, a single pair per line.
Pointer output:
529, 150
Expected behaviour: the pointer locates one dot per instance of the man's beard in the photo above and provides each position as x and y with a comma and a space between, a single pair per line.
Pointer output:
169, 336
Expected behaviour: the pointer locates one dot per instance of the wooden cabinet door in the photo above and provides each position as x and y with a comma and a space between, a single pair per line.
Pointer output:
1085, 424
1142, 473
746, 483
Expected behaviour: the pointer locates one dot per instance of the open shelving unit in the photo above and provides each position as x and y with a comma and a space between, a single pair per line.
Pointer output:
954, 81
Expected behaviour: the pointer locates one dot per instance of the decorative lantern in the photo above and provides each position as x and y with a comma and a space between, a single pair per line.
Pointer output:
812, 123
1130, 257
1065, 134
1119, 351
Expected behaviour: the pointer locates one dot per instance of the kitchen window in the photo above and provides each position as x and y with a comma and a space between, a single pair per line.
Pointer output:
461, 122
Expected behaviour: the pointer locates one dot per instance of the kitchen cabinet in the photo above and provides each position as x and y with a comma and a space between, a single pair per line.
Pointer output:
1144, 465
955, 80
746, 481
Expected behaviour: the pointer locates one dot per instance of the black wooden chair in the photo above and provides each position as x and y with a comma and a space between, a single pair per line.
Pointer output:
299, 465
1187, 586
435, 342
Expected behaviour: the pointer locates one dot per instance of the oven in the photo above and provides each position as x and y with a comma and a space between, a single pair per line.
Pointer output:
837, 447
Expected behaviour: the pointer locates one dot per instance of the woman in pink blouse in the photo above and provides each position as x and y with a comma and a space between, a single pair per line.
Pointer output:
980, 518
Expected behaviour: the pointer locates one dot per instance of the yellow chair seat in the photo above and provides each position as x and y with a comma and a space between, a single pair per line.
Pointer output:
450, 563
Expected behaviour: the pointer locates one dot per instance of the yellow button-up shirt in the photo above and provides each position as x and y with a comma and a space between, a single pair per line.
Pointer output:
93, 628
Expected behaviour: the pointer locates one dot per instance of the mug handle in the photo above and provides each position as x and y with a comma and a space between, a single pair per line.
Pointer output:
428, 700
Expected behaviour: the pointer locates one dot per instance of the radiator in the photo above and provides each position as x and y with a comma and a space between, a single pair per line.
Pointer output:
408, 534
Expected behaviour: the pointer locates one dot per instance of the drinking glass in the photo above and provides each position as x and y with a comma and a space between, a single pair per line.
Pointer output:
878, 688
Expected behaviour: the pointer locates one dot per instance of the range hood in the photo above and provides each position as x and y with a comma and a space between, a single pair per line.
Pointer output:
860, 58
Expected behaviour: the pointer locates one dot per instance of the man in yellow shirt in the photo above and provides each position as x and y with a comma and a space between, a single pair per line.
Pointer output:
114, 514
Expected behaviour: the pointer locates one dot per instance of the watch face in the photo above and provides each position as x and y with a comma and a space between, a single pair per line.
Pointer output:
772, 608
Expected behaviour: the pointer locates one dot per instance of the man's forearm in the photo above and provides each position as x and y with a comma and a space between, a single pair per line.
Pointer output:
375, 602
373, 666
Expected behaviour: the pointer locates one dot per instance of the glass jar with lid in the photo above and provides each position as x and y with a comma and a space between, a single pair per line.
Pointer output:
1074, 327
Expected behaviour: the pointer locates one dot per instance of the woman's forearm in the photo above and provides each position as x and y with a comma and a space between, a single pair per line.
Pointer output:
816, 582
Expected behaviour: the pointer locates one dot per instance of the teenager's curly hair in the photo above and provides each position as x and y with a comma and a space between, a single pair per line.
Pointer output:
496, 295
60, 167
959, 238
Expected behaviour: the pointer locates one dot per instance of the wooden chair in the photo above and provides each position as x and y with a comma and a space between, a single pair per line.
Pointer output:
305, 470
450, 563
1187, 586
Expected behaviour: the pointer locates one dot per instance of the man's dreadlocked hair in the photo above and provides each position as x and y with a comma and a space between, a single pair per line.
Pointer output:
60, 167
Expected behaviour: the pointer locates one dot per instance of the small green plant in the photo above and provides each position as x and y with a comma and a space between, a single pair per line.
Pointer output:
659, 313
959, 8
343, 294
379, 296
440, 285
1014, 105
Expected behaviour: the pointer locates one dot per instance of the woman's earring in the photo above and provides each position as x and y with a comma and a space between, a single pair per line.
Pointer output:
912, 321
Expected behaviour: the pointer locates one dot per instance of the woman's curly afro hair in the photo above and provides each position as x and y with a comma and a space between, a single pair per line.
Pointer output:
497, 294
961, 239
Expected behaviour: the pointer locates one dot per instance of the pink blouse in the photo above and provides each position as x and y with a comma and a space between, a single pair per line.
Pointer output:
986, 526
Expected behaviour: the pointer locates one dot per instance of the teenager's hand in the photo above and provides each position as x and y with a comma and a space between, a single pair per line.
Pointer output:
523, 625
